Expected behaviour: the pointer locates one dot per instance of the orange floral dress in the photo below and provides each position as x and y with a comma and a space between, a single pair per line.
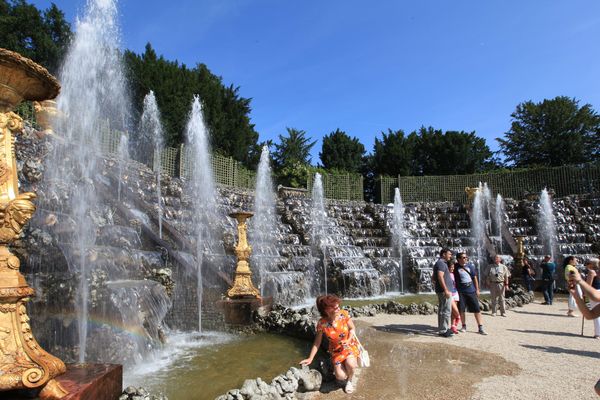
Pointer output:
337, 333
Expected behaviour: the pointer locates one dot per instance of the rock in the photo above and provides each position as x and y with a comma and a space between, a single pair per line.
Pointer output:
309, 380
130, 390
249, 387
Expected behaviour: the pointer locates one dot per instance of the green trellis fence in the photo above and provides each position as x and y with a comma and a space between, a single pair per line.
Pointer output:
177, 162
340, 186
566, 180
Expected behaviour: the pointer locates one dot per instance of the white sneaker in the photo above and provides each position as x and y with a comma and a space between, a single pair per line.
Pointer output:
349, 387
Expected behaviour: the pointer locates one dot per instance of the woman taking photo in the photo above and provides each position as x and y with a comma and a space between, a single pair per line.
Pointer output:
339, 329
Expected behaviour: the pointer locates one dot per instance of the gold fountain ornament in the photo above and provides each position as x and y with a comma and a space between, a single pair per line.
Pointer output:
242, 283
23, 363
471, 192
46, 113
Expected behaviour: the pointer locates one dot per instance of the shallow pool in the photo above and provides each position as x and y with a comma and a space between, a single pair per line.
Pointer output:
205, 366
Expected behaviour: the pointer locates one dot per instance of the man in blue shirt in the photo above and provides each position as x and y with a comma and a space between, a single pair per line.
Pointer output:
548, 272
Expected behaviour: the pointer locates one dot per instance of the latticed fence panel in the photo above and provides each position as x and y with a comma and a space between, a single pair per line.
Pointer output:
384, 188
168, 161
340, 186
226, 170
564, 181
109, 139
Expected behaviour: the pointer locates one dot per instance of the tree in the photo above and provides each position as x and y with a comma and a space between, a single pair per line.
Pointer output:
394, 154
552, 133
450, 153
291, 157
226, 113
430, 151
41, 36
340, 151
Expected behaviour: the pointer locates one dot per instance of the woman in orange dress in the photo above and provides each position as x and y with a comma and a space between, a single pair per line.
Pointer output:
339, 329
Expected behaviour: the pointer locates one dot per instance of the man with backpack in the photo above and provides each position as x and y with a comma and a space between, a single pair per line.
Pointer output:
465, 275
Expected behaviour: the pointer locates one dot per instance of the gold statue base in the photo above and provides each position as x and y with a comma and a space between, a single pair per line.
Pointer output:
242, 282
23, 363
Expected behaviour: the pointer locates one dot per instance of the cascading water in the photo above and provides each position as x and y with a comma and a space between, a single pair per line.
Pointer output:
499, 216
92, 98
398, 232
546, 224
151, 131
318, 216
478, 225
203, 194
123, 159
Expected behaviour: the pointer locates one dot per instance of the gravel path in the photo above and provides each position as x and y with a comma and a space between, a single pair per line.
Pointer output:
536, 352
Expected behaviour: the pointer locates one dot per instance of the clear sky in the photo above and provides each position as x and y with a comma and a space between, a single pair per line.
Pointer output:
365, 67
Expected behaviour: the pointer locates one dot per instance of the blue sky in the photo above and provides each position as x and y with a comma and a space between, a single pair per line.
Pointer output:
365, 67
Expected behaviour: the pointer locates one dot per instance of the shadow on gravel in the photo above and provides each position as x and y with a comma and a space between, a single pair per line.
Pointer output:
560, 350
546, 332
538, 313
416, 329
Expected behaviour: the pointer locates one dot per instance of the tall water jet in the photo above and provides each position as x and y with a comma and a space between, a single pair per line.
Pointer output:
487, 201
398, 232
123, 158
478, 226
93, 98
203, 194
151, 131
318, 217
499, 216
546, 224
264, 223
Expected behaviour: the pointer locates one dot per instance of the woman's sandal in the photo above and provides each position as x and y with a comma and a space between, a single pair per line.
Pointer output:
349, 387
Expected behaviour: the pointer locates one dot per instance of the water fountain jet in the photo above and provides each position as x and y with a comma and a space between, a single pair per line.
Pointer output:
398, 232
203, 192
151, 131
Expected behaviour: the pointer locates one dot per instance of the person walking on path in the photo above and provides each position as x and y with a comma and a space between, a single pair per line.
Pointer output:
593, 280
337, 326
497, 279
443, 284
467, 284
548, 272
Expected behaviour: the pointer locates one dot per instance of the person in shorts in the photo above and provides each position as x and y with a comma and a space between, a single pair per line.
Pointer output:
465, 275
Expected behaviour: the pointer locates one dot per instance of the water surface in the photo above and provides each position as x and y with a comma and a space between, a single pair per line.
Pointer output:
206, 367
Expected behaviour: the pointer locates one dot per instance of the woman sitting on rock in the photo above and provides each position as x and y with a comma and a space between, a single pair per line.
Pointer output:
339, 329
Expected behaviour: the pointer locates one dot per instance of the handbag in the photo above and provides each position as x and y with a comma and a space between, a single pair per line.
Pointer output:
364, 360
